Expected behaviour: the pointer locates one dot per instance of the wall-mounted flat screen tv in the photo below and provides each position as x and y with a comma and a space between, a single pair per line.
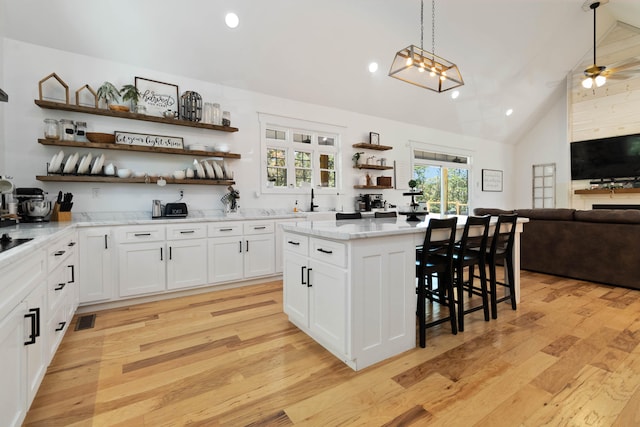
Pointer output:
606, 158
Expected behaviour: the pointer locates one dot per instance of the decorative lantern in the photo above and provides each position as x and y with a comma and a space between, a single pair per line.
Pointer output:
191, 106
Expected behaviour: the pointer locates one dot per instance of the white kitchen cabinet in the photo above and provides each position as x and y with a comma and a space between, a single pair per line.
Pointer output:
141, 268
13, 393
316, 295
23, 355
241, 250
96, 268
187, 263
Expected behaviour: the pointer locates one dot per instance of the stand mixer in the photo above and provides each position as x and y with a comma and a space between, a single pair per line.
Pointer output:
6, 188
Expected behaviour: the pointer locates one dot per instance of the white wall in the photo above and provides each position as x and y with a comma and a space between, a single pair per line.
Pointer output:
26, 64
2, 86
546, 142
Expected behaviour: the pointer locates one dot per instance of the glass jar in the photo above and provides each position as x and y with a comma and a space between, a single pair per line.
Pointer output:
51, 130
226, 118
207, 113
68, 130
216, 114
81, 132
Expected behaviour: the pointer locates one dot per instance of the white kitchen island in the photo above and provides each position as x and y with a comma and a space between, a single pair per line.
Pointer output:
350, 285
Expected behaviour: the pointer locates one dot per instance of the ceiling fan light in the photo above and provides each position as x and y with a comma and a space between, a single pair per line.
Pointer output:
587, 83
600, 80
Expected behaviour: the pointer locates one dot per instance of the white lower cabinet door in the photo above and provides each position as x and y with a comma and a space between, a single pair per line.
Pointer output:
141, 268
13, 392
96, 264
38, 355
259, 255
328, 303
187, 263
295, 289
225, 259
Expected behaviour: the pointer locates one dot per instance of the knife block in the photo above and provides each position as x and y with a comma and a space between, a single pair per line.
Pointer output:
58, 216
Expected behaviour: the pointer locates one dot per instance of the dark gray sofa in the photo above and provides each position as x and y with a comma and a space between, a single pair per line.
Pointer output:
595, 245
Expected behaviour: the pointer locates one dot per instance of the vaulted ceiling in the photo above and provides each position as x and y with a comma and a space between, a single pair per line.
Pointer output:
512, 53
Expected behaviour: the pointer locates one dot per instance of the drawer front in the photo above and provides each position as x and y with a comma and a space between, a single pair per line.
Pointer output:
328, 251
60, 250
224, 229
186, 231
296, 243
258, 227
140, 234
59, 284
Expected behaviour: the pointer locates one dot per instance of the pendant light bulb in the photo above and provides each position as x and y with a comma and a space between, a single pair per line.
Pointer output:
409, 62
587, 83
600, 80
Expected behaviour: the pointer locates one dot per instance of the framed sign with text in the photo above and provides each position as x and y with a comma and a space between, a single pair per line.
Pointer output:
157, 97
491, 180
145, 140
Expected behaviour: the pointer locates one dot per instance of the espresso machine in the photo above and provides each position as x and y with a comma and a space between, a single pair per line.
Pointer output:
368, 202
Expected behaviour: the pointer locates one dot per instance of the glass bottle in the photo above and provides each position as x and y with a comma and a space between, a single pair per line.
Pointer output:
226, 118
68, 130
51, 130
81, 132
217, 114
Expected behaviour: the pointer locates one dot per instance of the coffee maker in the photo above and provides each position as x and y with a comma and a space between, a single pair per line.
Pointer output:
367, 202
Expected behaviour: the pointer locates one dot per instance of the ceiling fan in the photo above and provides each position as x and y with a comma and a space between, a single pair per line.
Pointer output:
598, 74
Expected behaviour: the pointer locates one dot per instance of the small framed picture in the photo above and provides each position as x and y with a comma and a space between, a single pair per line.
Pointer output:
374, 138
157, 96
491, 180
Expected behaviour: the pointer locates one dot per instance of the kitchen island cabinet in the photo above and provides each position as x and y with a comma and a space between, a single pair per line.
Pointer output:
364, 285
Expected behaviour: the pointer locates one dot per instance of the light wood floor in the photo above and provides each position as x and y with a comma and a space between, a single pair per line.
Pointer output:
569, 355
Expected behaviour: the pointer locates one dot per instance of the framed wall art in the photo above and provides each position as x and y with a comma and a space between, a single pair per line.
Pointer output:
157, 97
491, 180
374, 138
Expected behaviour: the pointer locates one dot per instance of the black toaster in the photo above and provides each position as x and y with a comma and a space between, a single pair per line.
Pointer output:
175, 210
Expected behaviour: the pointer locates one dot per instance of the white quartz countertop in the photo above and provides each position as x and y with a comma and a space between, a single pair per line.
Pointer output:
45, 232
363, 228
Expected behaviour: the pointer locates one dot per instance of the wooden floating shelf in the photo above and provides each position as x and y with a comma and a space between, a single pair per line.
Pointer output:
372, 187
374, 167
129, 115
121, 147
609, 191
141, 180
372, 146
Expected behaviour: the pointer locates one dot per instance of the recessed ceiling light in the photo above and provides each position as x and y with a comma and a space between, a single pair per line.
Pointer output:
373, 67
509, 112
455, 94
231, 20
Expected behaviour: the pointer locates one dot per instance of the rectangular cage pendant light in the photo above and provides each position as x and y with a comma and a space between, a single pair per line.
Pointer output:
422, 68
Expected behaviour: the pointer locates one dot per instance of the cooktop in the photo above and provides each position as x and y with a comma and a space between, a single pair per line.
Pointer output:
6, 242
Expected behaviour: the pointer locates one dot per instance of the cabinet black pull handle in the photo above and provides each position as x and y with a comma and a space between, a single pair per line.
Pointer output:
71, 244
142, 234
293, 243
59, 253
161, 259
60, 287
73, 273
324, 251
61, 327
308, 280
34, 315
247, 246
226, 229
188, 232
106, 245
170, 253
259, 228
302, 282
240, 242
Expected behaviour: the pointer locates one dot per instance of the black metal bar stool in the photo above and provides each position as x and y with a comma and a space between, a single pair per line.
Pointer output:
436, 258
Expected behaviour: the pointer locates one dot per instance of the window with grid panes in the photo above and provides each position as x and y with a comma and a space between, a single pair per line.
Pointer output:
298, 158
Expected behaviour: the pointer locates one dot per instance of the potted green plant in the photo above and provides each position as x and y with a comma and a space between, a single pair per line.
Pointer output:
132, 94
356, 157
109, 94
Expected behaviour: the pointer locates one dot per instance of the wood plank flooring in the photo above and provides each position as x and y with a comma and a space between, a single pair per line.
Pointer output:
570, 355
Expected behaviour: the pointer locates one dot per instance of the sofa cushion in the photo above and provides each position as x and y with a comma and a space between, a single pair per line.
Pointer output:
490, 211
559, 214
612, 216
